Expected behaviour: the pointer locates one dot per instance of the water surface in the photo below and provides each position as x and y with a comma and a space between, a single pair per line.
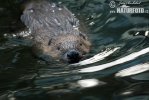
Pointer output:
116, 68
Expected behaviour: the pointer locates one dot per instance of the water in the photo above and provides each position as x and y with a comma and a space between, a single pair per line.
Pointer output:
116, 68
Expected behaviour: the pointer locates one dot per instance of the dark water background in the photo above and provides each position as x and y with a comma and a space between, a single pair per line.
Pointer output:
24, 77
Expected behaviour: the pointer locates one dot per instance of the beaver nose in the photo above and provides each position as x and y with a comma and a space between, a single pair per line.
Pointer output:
73, 56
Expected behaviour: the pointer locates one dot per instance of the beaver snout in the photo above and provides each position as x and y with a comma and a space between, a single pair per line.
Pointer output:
73, 56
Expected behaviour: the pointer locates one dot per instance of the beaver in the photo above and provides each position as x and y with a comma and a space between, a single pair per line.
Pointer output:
55, 31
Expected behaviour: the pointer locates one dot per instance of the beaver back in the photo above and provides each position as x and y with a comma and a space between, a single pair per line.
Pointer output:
46, 20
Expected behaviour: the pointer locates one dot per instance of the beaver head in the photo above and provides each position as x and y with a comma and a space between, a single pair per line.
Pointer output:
69, 48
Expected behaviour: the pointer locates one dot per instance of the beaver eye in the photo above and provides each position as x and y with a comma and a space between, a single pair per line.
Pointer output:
58, 48
83, 36
81, 44
49, 43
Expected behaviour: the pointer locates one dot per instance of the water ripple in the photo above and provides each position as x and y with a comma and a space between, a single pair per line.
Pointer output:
116, 62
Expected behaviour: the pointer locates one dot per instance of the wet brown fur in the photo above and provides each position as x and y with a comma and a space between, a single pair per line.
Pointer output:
54, 33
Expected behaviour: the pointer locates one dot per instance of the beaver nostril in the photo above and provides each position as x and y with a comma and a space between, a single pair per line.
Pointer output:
73, 56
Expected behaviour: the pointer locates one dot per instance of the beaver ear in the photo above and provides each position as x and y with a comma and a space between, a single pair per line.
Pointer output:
49, 43
83, 36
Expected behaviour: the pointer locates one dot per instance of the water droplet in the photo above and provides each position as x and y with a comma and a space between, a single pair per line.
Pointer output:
57, 22
53, 11
92, 23
31, 10
59, 8
53, 5
29, 31
76, 28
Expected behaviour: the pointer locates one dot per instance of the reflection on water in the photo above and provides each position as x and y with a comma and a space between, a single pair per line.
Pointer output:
89, 83
96, 58
116, 68
138, 91
133, 70
116, 62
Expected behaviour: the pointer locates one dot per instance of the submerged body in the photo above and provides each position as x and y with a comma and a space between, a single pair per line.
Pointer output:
55, 31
